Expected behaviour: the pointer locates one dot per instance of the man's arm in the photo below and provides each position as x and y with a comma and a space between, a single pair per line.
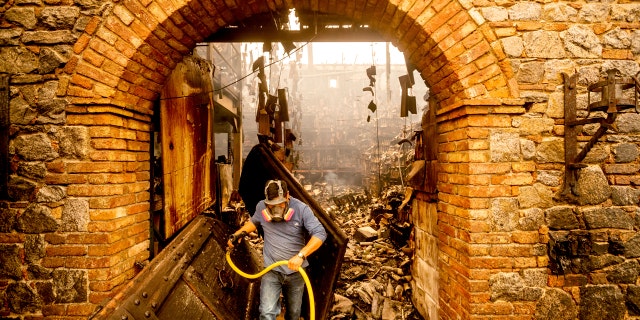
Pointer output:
296, 261
248, 227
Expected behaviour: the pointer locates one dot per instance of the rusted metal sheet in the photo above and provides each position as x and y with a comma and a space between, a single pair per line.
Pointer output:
190, 279
186, 137
262, 165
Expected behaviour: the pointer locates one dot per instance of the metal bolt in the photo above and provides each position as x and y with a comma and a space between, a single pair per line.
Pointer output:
147, 314
144, 294
166, 278
124, 317
136, 302
154, 304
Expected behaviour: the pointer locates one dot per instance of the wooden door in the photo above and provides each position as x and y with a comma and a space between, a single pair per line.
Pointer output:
186, 139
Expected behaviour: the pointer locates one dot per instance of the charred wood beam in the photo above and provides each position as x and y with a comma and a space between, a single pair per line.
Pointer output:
4, 135
327, 34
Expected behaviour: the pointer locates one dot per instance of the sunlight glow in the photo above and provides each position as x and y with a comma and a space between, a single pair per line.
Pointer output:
352, 53
294, 24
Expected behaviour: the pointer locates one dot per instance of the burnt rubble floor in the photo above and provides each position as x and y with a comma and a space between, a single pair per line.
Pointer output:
375, 278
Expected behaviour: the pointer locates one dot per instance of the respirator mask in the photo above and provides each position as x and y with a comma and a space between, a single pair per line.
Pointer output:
275, 211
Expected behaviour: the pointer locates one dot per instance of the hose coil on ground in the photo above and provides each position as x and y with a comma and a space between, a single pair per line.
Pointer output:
312, 307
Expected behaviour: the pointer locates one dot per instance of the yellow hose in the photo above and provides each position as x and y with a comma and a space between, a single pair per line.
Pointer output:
312, 304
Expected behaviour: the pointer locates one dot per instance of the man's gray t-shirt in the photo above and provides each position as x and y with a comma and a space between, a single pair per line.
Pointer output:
283, 240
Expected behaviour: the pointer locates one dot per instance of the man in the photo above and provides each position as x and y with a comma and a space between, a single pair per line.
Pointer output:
285, 221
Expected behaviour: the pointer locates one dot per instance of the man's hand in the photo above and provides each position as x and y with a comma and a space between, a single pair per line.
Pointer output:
235, 238
294, 263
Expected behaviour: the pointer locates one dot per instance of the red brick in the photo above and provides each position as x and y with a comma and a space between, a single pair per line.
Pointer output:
142, 138
144, 196
490, 121
555, 26
82, 43
99, 297
95, 167
81, 81
477, 133
112, 132
88, 238
138, 145
491, 262
109, 249
94, 119
54, 310
525, 262
112, 155
138, 208
138, 125
93, 57
525, 237
111, 201
55, 238
137, 166
11, 238
107, 285
94, 190
620, 54
80, 309
64, 179
53, 262
107, 214
486, 168
523, 166
513, 179
529, 25
111, 225
485, 191
87, 262
66, 250
491, 238
108, 178
511, 250
96, 74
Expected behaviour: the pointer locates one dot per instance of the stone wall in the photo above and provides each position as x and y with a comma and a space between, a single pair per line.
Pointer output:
77, 219
534, 253
85, 75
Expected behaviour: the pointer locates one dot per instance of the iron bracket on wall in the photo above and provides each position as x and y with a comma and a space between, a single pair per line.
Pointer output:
4, 135
612, 101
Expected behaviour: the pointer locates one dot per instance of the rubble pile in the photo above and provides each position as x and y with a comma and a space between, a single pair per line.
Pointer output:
375, 280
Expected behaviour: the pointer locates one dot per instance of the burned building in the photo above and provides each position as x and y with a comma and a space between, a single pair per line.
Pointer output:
525, 201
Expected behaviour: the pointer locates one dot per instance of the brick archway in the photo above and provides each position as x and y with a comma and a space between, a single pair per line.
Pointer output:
123, 58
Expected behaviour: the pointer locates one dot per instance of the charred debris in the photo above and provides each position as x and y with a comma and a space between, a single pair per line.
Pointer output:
375, 279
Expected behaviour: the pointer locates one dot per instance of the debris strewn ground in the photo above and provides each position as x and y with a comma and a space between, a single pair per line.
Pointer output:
375, 279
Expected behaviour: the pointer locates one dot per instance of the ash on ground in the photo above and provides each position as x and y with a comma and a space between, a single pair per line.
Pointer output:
375, 278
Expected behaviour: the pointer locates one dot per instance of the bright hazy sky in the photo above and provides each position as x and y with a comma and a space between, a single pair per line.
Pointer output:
352, 53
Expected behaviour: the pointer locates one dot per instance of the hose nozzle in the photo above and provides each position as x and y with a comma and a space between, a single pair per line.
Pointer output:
234, 238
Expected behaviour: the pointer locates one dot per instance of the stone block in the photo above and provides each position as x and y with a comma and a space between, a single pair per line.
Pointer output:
10, 262
601, 302
556, 304
592, 186
365, 234
22, 298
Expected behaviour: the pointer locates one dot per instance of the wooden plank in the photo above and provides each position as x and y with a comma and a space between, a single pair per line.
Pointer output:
186, 138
